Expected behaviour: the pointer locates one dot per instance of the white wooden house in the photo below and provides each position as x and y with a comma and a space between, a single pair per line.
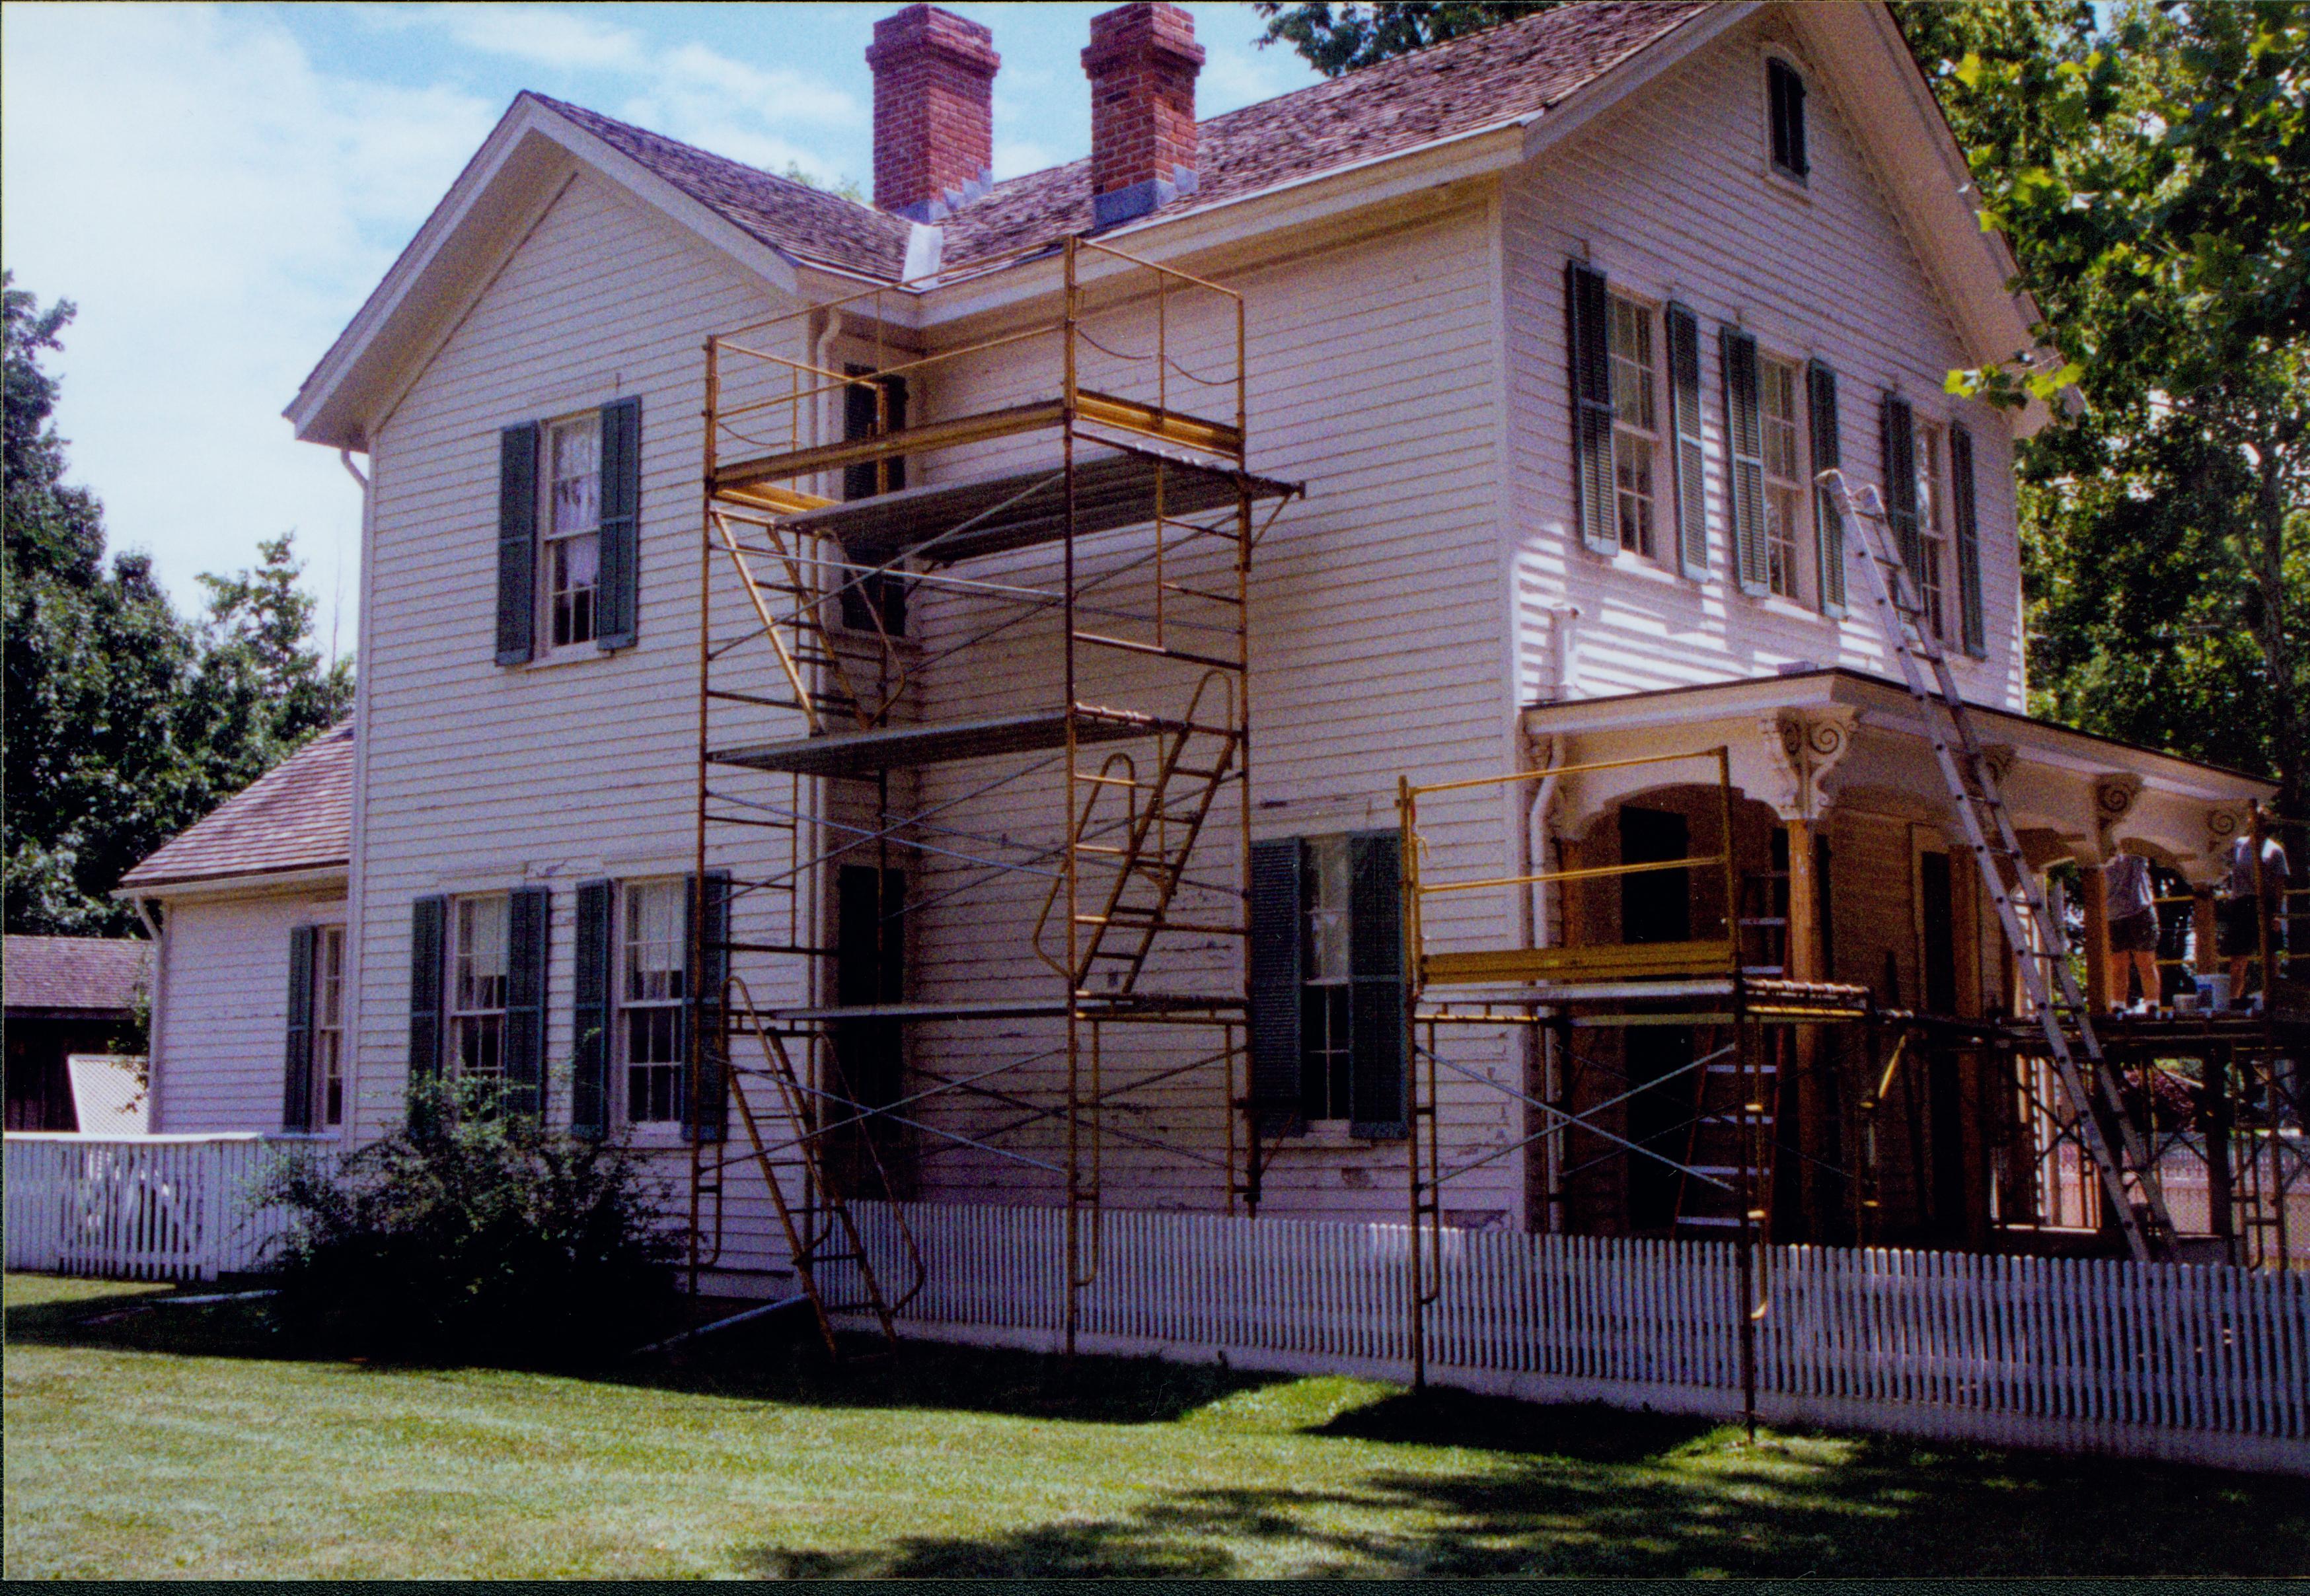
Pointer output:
1549, 326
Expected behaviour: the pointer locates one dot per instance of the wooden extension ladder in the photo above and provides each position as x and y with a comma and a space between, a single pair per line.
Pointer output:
2128, 1176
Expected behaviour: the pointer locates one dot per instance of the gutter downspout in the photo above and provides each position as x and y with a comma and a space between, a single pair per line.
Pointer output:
1537, 904
830, 415
356, 849
155, 929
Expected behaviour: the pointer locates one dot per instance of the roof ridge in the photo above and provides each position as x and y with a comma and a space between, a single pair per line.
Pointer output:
780, 178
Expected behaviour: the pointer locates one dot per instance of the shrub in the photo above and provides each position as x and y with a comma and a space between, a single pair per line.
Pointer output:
472, 1235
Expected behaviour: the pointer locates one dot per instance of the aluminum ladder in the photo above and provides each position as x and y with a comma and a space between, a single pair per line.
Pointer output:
2128, 1180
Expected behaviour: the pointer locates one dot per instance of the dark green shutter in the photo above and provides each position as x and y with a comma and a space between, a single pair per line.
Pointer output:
622, 503
1377, 1106
591, 985
1277, 972
1745, 439
529, 926
517, 544
1828, 454
1896, 428
1588, 332
297, 1079
1968, 543
428, 918
1688, 458
708, 941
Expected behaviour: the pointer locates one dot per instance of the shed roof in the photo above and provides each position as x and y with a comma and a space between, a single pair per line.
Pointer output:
100, 975
297, 816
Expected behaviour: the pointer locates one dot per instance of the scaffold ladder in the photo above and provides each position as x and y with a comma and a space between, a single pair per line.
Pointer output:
2128, 1176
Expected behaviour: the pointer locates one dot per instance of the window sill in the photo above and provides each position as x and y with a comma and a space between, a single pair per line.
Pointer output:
1649, 568
1329, 1133
1796, 189
1774, 603
655, 1137
569, 654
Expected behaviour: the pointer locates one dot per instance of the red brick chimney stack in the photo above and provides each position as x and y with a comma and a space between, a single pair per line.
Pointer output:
933, 112
1142, 63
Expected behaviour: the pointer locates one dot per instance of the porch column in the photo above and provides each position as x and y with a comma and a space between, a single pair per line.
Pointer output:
1806, 962
2093, 897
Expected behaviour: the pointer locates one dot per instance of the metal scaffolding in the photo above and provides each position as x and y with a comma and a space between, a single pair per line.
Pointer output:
1075, 558
1742, 1013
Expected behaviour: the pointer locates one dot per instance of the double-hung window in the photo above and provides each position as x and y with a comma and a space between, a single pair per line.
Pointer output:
328, 1065
1326, 1015
478, 965
569, 552
652, 956
1636, 424
1784, 108
1934, 566
1784, 493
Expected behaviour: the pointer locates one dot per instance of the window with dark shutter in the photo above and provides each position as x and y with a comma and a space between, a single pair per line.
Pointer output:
620, 596
1896, 426
1784, 94
1744, 435
1688, 454
705, 926
1968, 544
1828, 526
517, 544
870, 410
428, 918
1375, 967
529, 920
297, 1075
1587, 329
589, 1014
1275, 974
869, 968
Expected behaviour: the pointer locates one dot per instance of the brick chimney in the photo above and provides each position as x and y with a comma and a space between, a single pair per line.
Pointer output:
1142, 63
933, 112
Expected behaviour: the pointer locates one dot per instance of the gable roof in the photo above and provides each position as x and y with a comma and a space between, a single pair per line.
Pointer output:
296, 816
1477, 80
101, 975
793, 217
1543, 73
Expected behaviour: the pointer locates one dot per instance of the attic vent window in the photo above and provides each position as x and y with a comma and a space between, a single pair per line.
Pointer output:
1784, 94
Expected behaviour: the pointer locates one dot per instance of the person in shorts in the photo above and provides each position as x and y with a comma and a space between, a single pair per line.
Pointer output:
2243, 899
2132, 915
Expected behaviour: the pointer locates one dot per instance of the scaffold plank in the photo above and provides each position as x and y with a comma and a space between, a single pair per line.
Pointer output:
950, 522
899, 748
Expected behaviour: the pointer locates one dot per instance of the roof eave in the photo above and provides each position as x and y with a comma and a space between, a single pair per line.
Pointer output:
455, 254
286, 878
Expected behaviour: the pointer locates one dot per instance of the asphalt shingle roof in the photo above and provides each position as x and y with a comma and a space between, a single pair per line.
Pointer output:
103, 974
296, 816
1457, 87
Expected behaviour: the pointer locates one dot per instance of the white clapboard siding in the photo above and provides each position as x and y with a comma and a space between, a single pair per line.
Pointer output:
221, 1023
1669, 195
143, 1208
2156, 1360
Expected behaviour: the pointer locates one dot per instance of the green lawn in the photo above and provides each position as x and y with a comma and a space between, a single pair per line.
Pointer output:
179, 1440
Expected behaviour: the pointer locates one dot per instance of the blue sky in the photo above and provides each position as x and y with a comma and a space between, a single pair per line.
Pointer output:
219, 188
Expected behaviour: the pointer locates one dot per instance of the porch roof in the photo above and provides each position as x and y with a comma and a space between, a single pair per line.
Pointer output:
1885, 702
1836, 738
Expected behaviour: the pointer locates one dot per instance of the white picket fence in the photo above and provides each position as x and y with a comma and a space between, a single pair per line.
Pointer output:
2175, 1361
143, 1208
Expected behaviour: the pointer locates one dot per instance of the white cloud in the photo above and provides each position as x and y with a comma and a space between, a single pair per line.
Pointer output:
539, 35
217, 207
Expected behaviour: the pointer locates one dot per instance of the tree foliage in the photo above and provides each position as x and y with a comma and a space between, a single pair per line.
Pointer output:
2151, 171
126, 721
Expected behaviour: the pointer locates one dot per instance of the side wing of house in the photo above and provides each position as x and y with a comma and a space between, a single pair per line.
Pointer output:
568, 762
1759, 321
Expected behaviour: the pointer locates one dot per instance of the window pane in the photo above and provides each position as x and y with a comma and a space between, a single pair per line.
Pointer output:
1632, 364
481, 958
1326, 893
655, 953
576, 476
